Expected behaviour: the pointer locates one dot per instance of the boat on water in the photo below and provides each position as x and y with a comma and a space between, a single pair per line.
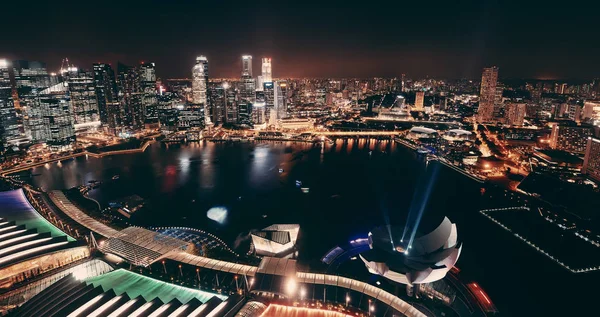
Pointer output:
305, 190
422, 150
281, 170
115, 177
298, 183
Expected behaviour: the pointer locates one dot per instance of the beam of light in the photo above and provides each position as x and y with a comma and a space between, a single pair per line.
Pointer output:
412, 208
423, 204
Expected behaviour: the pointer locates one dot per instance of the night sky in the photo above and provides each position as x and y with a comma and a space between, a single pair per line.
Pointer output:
540, 39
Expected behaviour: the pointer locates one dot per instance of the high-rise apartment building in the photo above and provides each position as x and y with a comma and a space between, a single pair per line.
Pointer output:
591, 110
419, 100
591, 162
515, 113
487, 94
570, 138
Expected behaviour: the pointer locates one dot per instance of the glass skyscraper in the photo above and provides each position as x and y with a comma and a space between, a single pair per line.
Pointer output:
200, 84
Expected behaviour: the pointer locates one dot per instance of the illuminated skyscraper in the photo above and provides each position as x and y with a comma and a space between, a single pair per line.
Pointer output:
9, 126
147, 79
130, 96
419, 100
487, 95
30, 78
247, 90
246, 66
269, 92
200, 84
281, 99
106, 88
591, 162
55, 105
216, 94
231, 104
267, 73
84, 102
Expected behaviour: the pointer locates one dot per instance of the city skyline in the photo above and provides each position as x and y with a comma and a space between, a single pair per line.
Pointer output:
440, 40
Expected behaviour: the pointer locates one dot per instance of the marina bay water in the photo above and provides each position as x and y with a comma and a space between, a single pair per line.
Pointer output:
349, 187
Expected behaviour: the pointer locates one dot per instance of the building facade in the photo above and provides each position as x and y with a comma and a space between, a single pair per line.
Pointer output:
280, 99
419, 100
106, 88
200, 84
487, 94
56, 108
515, 113
82, 93
30, 78
147, 79
130, 97
570, 138
591, 162
9, 123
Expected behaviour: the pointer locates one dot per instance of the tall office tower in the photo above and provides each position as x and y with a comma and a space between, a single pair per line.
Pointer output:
258, 107
419, 100
570, 138
200, 84
270, 113
248, 94
57, 116
130, 96
591, 162
281, 99
231, 104
29, 79
147, 77
515, 113
246, 66
260, 83
487, 94
84, 103
106, 88
114, 117
267, 72
245, 114
9, 124
248, 90
216, 97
